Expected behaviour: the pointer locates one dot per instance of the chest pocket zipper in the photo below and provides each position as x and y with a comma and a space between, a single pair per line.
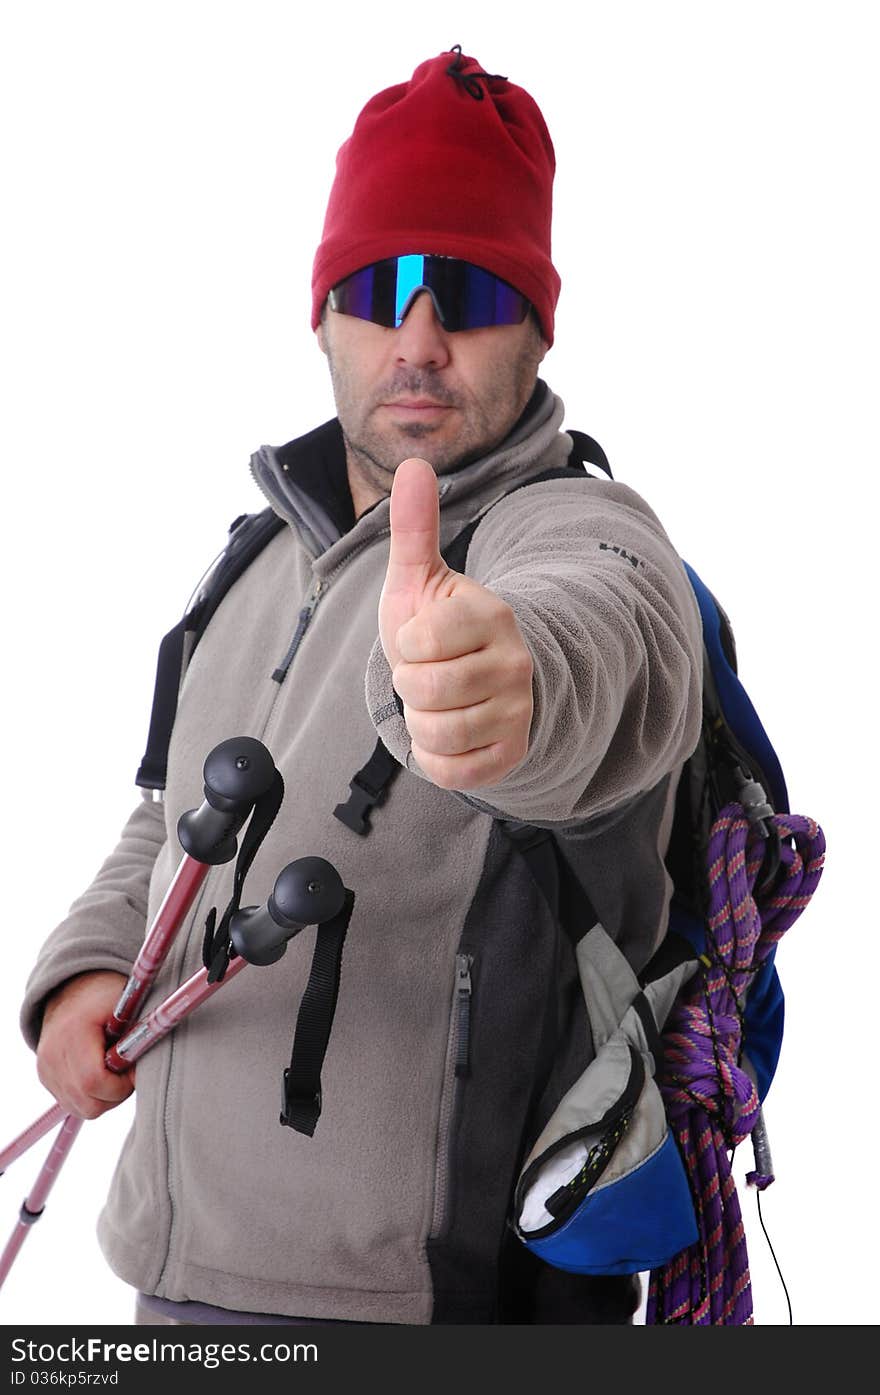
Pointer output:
458, 1067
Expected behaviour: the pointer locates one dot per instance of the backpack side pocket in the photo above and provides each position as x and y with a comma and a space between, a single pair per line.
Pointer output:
604, 1190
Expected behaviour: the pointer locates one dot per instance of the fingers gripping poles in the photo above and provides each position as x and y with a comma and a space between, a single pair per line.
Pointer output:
240, 783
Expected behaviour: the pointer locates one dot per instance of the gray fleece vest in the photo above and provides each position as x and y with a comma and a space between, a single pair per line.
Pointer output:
460, 1022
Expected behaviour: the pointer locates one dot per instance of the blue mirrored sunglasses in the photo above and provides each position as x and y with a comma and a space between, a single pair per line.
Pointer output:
465, 296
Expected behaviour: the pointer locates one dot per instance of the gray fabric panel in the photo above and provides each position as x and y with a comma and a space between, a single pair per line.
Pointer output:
609, 983
661, 994
600, 1087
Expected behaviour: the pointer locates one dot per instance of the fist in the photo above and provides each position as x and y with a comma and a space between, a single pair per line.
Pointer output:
457, 657
70, 1052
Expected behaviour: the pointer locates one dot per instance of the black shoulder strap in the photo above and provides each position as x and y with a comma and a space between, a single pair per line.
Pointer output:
584, 451
248, 535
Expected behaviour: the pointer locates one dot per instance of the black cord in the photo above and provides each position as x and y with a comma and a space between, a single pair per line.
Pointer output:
469, 81
775, 1261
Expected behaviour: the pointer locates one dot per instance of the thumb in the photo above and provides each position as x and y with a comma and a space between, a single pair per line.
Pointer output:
416, 570
415, 527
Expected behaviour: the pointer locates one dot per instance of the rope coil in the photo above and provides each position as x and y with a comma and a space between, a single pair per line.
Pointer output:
711, 1099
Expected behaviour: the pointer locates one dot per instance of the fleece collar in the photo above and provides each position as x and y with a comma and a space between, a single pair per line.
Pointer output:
306, 481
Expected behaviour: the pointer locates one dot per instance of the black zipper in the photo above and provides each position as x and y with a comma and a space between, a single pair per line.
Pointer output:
463, 991
457, 1067
614, 1123
568, 1197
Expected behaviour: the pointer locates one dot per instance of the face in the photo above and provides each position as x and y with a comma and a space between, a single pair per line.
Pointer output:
419, 390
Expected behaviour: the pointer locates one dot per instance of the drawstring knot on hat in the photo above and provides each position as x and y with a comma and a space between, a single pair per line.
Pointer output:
469, 80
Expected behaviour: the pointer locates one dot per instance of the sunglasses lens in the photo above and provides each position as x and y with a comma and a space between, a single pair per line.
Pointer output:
471, 298
466, 296
369, 294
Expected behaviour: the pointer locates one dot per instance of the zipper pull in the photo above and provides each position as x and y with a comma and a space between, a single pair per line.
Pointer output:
305, 615
463, 991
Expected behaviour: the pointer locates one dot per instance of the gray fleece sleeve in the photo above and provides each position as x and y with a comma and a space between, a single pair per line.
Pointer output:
105, 927
604, 604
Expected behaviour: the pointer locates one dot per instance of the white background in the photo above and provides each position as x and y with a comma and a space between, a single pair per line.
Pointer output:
164, 173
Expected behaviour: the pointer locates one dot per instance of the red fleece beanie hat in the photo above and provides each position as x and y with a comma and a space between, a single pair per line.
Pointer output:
455, 162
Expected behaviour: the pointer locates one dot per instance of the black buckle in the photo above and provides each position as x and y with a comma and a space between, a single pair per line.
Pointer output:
356, 810
300, 1112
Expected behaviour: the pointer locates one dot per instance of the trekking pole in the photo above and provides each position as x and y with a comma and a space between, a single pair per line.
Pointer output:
237, 774
307, 892
240, 778
34, 1203
178, 899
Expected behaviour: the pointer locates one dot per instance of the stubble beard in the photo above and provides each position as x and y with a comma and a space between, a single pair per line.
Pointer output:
374, 454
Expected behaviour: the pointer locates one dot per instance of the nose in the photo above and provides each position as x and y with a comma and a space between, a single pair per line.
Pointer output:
421, 339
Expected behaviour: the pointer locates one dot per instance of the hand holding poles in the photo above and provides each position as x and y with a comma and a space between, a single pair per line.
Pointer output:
238, 775
240, 779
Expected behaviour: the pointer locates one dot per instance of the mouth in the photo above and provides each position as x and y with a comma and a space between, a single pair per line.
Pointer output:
417, 406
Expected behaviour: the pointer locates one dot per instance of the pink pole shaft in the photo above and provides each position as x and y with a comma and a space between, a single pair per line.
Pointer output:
178, 899
119, 1058
36, 1198
31, 1135
165, 1017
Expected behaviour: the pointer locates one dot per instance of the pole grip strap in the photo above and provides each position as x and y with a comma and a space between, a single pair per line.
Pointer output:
217, 946
301, 1098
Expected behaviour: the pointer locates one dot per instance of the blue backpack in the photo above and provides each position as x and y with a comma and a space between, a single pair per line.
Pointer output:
605, 1189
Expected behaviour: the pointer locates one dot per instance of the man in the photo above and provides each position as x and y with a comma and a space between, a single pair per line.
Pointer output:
556, 683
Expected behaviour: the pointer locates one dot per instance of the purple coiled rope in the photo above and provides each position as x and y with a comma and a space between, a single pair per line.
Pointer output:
711, 1101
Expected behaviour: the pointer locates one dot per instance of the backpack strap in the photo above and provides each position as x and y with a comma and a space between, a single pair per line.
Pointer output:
368, 787
584, 451
731, 704
248, 535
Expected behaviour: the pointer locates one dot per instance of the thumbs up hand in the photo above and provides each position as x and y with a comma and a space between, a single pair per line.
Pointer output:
457, 657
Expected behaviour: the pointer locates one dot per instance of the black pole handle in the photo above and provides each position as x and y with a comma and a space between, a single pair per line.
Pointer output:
236, 774
306, 892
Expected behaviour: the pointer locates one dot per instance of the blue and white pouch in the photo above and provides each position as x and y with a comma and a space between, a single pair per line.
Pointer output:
604, 1189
